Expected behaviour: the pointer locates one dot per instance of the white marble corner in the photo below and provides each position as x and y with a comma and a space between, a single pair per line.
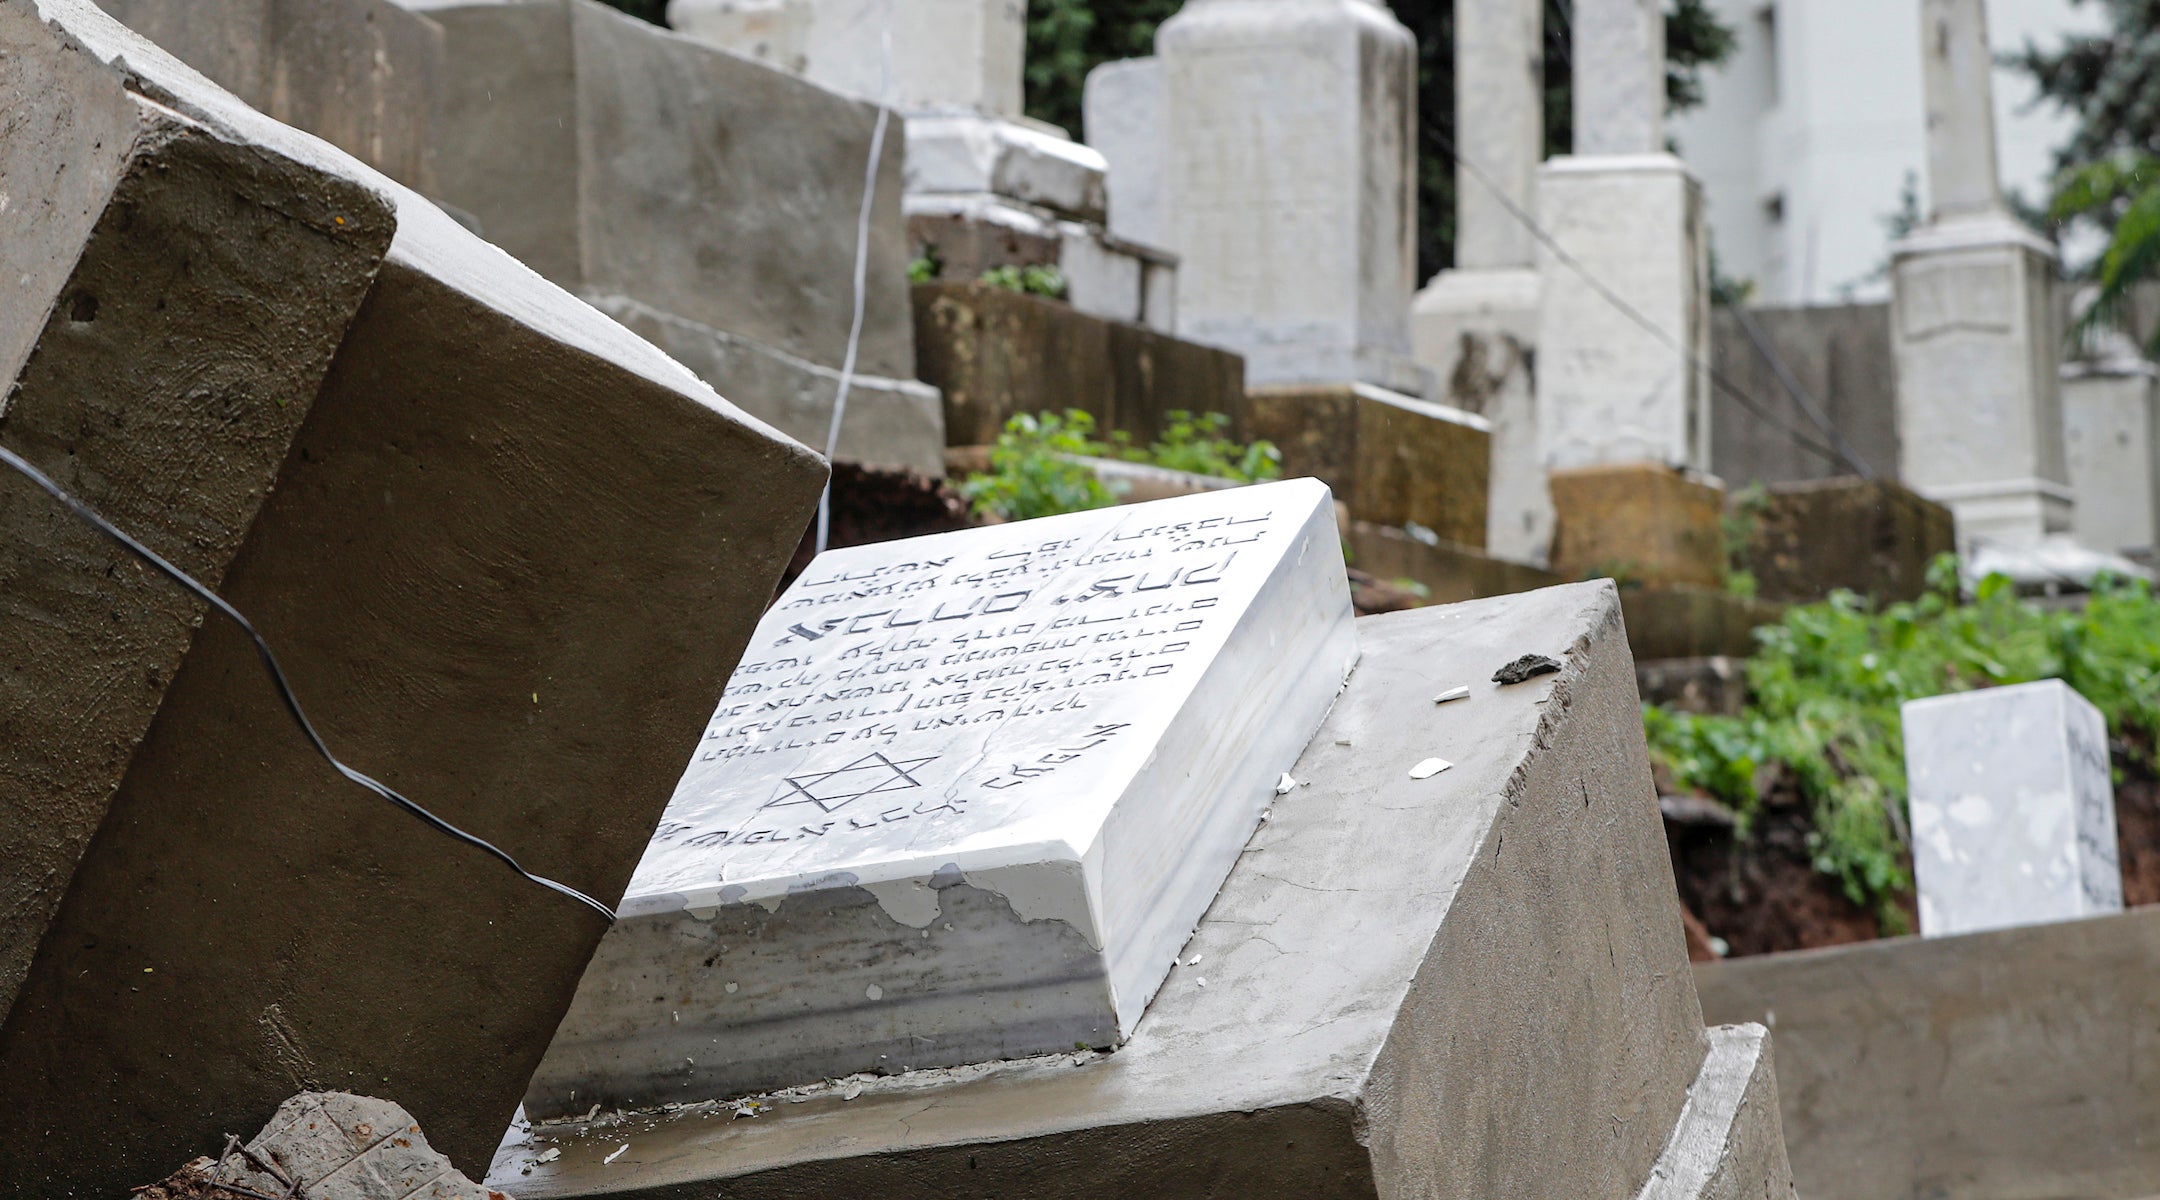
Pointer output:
965, 797
2013, 808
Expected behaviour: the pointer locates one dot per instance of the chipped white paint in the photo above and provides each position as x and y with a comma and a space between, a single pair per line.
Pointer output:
1427, 768
1013, 761
2013, 808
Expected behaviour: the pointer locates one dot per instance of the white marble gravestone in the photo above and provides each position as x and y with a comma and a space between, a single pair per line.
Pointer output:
965, 798
2013, 808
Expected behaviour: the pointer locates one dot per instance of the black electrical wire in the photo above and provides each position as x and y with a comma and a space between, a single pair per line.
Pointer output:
277, 678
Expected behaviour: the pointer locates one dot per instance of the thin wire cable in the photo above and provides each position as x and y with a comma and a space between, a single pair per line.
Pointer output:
862, 275
277, 678
1614, 298
1784, 376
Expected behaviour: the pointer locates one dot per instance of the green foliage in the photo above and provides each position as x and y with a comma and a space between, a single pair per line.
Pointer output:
1827, 681
1032, 280
1196, 444
1068, 38
1032, 472
2120, 193
924, 269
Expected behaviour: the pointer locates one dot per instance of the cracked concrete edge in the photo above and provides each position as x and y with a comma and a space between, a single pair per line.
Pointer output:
1729, 1143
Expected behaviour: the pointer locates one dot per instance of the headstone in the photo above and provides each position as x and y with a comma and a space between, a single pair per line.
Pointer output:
1475, 324
1291, 187
965, 799
1629, 381
2013, 808
1405, 987
507, 558
2111, 445
1123, 107
708, 202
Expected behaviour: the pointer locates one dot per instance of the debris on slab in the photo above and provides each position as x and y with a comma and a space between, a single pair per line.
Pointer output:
1529, 666
1453, 693
1429, 768
325, 1146
1284, 785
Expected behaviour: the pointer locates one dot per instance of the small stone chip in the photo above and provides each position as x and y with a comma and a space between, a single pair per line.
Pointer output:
1453, 693
1429, 768
1284, 785
619, 1152
1529, 666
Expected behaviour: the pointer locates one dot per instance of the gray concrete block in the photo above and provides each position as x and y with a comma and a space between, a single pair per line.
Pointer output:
1990, 1066
339, 1146
174, 299
363, 75
619, 159
1468, 985
510, 561
1729, 1143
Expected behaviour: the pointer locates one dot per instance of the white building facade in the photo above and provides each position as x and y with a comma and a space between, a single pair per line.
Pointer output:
1810, 132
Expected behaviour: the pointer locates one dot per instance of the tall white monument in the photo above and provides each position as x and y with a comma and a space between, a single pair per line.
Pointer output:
1980, 421
2013, 808
965, 798
1290, 187
1622, 385
1476, 324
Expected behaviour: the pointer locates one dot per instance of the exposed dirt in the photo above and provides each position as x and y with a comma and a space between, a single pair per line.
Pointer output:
1764, 895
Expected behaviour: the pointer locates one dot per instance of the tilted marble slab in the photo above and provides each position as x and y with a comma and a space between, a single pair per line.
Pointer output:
965, 798
2013, 808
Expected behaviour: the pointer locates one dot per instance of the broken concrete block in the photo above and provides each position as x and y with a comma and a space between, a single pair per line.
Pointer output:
330, 1146
1469, 985
173, 298
509, 561
363, 75
647, 171
965, 799
1394, 459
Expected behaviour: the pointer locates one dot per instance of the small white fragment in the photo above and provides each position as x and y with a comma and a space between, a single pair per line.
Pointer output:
549, 1155
1194, 961
1453, 693
1429, 768
619, 1152
1200, 981
853, 1090
1266, 814
1283, 785
731, 988
1342, 741
874, 992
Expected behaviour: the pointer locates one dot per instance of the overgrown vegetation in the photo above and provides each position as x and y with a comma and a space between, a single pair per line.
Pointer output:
1034, 473
1825, 688
1030, 280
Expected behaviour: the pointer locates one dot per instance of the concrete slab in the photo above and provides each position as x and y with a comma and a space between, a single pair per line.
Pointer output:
1729, 1143
1468, 985
174, 299
509, 562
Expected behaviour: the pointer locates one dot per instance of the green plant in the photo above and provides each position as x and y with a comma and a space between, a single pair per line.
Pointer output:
1196, 444
924, 269
1740, 523
1032, 472
1826, 683
1032, 280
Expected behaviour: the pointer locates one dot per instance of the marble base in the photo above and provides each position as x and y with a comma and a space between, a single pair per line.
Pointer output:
2013, 808
965, 798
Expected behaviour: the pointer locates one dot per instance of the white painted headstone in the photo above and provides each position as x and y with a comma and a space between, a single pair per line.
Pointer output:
2013, 808
965, 797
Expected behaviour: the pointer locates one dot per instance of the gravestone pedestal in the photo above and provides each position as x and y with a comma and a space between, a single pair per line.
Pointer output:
2111, 444
965, 798
1478, 331
2013, 808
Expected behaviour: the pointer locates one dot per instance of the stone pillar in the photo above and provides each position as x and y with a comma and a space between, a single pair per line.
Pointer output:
1476, 325
1629, 215
1290, 187
2111, 443
1974, 321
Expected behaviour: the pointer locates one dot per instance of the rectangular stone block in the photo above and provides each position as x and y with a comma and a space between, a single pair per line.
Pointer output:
994, 353
1394, 459
1448, 572
1842, 359
1729, 1143
1643, 522
1468, 985
1478, 330
965, 799
619, 159
1997, 1066
1122, 105
2013, 808
174, 299
363, 75
2111, 435
508, 561
1869, 536
1685, 621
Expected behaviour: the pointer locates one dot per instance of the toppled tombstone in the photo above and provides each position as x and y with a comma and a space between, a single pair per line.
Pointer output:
327, 1146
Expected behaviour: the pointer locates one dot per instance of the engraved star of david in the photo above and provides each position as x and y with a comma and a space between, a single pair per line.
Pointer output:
831, 790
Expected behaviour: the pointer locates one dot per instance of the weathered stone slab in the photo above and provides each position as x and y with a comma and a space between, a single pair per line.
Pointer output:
508, 562
1122, 105
1871, 536
1639, 521
1394, 459
1463, 986
174, 299
1994, 1066
994, 353
2111, 444
2013, 808
965, 799
363, 75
